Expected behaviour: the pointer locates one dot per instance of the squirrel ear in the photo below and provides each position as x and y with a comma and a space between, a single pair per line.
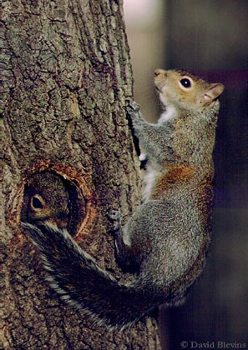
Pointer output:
213, 92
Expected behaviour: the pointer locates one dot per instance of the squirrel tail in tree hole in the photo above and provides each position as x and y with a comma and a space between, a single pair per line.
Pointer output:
167, 237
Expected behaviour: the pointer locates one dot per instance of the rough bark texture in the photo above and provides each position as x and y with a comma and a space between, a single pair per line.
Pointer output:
67, 80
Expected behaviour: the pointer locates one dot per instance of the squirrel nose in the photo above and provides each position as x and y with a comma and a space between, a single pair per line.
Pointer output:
158, 72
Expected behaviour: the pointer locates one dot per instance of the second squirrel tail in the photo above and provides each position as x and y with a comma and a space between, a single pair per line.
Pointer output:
79, 281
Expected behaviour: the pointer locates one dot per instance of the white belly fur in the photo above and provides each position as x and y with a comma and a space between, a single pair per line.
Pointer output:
149, 180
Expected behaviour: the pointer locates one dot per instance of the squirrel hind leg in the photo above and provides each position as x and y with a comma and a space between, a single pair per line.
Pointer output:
126, 256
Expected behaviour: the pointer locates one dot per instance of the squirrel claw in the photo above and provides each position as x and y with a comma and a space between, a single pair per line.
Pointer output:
116, 216
133, 107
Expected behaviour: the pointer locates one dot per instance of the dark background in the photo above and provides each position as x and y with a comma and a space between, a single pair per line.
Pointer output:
214, 44
210, 38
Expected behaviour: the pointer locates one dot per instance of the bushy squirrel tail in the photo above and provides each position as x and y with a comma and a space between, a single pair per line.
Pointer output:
79, 281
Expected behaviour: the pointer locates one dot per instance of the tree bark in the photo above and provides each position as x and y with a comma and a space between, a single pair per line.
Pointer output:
67, 80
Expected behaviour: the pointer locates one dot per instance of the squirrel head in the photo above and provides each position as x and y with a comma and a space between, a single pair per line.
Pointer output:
47, 199
185, 91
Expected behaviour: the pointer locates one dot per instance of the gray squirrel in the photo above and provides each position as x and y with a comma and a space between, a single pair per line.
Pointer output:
167, 237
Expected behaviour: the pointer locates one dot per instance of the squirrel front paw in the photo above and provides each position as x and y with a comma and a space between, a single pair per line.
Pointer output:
133, 111
133, 107
115, 216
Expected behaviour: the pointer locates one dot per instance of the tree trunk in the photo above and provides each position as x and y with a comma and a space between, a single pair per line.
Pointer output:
67, 80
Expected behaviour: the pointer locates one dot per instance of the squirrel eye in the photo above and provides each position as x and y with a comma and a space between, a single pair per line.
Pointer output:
36, 202
185, 82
